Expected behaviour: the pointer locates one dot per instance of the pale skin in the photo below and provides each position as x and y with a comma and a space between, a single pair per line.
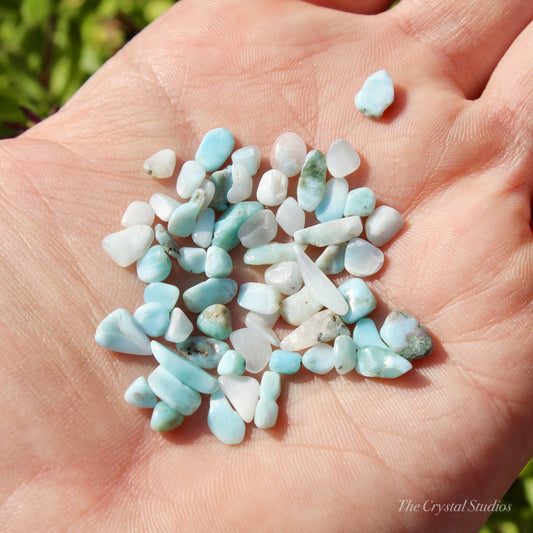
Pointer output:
454, 154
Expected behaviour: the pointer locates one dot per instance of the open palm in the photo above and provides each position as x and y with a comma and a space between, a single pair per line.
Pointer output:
454, 154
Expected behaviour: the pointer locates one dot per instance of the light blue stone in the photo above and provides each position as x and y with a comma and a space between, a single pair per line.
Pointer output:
153, 318
119, 332
406, 336
184, 370
204, 352
285, 362
174, 392
259, 298
226, 229
319, 358
215, 321
164, 418
222, 180
266, 413
270, 387
360, 202
154, 265
183, 219
215, 148
211, 291
312, 181
360, 299
365, 333
218, 263
223, 421
344, 350
140, 394
231, 364
192, 259
332, 205
377, 362
165, 239
163, 293
331, 260
268, 254
362, 258
376, 94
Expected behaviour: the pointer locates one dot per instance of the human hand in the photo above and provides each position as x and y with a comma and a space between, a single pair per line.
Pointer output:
453, 154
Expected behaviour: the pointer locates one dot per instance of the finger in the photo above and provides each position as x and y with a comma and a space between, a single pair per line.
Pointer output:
363, 7
466, 39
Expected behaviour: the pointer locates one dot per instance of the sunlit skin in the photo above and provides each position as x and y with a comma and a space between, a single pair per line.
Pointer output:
453, 153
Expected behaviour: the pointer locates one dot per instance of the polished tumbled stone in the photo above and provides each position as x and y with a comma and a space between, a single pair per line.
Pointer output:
312, 181
259, 297
128, 245
182, 369
332, 205
218, 263
241, 186
270, 387
163, 205
167, 241
138, 213
243, 394
164, 418
360, 201
249, 157
222, 181
161, 164
272, 188
344, 350
405, 335
360, 299
342, 159
383, 224
179, 327
290, 216
284, 276
215, 148
203, 230
266, 413
140, 394
215, 321
121, 333
270, 253
298, 307
223, 421
365, 333
211, 291
154, 265
183, 219
331, 260
376, 95
285, 362
205, 352
153, 318
330, 232
226, 229
258, 229
319, 358
231, 364
288, 153
363, 258
378, 362
254, 347
190, 178
174, 392
192, 259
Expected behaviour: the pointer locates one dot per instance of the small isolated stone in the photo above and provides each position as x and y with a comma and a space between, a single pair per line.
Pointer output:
249, 157
192, 259
378, 362
362, 258
376, 95
258, 229
382, 225
138, 213
285, 362
128, 245
180, 327
270, 387
290, 216
191, 176
161, 164
215, 321
342, 159
319, 358
140, 394
223, 421
272, 188
266, 413
243, 393
215, 148
312, 181
288, 153
218, 263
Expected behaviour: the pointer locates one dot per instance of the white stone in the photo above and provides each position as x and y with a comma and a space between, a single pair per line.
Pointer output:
254, 347
258, 229
297, 308
243, 394
242, 186
342, 159
138, 213
331, 232
209, 188
258, 319
288, 153
249, 157
272, 188
163, 205
362, 258
290, 216
319, 358
285, 276
161, 164
259, 297
180, 327
203, 230
382, 225
128, 245
190, 178
321, 286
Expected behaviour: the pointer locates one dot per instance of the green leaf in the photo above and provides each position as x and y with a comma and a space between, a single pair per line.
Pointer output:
35, 12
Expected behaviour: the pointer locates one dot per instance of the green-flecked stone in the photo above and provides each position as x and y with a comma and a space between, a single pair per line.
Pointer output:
211, 291
312, 181
215, 321
378, 362
204, 352
164, 418
225, 231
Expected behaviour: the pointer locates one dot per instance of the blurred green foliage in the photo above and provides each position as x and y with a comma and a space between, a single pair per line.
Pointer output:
48, 48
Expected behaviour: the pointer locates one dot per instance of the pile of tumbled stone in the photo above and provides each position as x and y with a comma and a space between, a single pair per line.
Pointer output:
216, 217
